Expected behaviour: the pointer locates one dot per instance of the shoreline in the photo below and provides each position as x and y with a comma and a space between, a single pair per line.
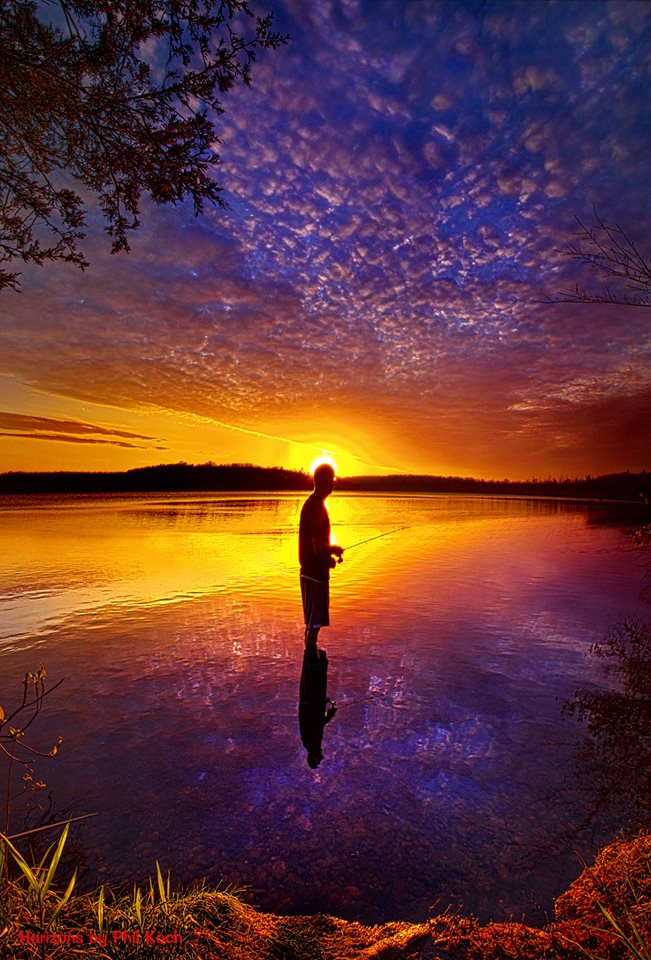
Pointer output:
632, 488
600, 915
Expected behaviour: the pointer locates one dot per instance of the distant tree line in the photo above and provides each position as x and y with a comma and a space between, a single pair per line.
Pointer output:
164, 478
612, 486
177, 477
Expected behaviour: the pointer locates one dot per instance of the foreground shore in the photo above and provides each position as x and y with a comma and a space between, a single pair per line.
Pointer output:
605, 914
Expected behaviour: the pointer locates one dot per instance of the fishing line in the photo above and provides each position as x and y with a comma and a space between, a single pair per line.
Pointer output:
377, 537
349, 703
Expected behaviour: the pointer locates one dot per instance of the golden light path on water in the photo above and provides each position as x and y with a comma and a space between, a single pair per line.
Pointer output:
170, 549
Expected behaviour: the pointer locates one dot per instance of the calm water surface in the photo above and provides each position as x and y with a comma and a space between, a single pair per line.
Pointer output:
449, 773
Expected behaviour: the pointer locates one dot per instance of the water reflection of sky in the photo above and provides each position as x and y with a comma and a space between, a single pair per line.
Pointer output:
176, 622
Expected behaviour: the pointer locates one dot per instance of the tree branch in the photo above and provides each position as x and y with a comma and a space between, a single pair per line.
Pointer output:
614, 254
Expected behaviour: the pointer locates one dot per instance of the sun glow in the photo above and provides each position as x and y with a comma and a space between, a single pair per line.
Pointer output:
321, 459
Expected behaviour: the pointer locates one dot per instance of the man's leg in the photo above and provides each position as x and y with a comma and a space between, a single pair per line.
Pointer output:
311, 592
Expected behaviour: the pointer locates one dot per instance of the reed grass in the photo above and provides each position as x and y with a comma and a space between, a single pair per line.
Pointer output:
605, 915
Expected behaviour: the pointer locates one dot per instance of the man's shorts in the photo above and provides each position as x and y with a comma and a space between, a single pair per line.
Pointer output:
316, 602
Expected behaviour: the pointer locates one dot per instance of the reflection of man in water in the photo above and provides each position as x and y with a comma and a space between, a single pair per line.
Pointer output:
316, 555
315, 708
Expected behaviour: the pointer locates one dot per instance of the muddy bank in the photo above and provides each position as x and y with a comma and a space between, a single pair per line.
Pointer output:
604, 914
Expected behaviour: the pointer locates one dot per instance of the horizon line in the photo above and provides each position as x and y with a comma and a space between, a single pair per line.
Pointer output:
402, 476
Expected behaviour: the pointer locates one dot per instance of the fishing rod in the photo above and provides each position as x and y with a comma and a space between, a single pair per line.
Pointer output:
349, 703
377, 537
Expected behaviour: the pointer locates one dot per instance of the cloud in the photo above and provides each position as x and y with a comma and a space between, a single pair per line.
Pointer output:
400, 179
69, 431
18, 421
63, 438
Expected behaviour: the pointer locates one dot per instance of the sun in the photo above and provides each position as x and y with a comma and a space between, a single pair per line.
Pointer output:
323, 459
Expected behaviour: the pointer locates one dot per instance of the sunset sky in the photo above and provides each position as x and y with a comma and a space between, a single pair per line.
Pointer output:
400, 178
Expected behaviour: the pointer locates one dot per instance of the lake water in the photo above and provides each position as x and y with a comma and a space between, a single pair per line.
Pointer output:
449, 774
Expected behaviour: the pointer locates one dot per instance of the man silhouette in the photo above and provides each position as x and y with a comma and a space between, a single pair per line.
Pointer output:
315, 708
317, 555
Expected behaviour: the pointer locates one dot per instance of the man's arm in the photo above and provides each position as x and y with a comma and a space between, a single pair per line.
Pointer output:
321, 536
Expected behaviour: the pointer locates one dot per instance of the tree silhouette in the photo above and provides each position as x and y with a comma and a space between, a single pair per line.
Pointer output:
617, 751
113, 99
615, 256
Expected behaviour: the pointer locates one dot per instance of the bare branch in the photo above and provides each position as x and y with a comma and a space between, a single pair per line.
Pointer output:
615, 256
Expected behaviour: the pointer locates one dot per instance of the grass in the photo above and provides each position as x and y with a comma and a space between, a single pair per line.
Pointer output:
605, 915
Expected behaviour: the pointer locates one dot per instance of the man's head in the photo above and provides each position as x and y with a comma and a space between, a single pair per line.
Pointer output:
314, 758
324, 479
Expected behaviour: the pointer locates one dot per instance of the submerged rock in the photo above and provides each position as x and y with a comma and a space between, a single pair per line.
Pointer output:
607, 904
